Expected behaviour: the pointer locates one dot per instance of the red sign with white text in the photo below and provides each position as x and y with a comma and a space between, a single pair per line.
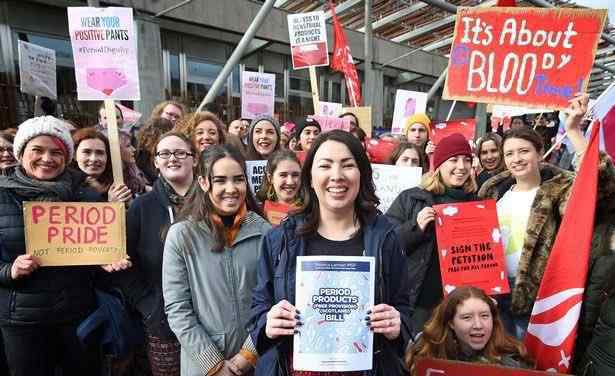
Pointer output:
469, 247
522, 56
467, 127
308, 39
441, 367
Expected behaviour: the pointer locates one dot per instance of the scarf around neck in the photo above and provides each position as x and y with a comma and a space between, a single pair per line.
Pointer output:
60, 189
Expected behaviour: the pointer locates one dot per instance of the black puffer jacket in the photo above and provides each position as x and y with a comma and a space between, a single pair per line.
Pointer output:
49, 295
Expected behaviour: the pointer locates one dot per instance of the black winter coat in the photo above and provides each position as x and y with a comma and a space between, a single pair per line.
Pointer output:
49, 295
276, 281
147, 218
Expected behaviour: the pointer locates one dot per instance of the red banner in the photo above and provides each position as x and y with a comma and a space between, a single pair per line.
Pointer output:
467, 127
522, 56
440, 367
469, 247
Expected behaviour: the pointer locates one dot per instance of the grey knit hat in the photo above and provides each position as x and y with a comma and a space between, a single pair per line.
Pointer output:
257, 120
43, 126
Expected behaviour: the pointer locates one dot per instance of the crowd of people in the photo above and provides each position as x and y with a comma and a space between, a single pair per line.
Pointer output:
208, 287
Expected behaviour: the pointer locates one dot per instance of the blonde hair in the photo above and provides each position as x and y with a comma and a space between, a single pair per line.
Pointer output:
432, 182
157, 111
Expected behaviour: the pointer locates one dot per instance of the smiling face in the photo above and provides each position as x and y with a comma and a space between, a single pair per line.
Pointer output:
7, 158
417, 134
307, 137
521, 158
489, 155
473, 323
206, 134
264, 138
227, 186
456, 170
409, 158
102, 118
335, 177
91, 157
286, 180
43, 159
127, 151
173, 169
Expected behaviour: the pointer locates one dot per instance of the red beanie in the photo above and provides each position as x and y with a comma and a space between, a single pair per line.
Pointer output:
449, 147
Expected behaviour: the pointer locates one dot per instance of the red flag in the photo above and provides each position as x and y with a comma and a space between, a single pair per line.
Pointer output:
342, 60
506, 3
553, 324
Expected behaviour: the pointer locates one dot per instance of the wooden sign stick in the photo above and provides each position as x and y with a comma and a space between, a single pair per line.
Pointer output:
114, 142
315, 96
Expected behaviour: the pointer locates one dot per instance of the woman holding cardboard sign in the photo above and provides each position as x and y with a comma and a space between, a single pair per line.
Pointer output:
209, 268
531, 199
338, 218
40, 308
451, 181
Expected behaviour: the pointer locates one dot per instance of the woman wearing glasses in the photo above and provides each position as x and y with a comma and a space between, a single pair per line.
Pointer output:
7, 158
147, 221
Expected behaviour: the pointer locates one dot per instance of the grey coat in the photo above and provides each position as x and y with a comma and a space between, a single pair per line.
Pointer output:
207, 294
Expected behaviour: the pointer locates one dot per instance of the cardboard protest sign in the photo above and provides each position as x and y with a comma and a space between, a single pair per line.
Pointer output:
441, 367
500, 110
329, 123
37, 70
466, 127
75, 233
256, 173
407, 103
531, 57
276, 212
308, 39
470, 248
257, 94
105, 53
390, 181
364, 114
330, 108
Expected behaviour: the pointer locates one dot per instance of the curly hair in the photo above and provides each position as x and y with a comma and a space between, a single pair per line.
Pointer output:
187, 125
150, 133
438, 340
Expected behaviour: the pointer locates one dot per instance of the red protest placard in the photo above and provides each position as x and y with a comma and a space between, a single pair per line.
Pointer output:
469, 247
523, 56
329, 123
467, 127
276, 212
308, 39
441, 367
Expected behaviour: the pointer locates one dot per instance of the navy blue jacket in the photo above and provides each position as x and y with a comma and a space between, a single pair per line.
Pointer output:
276, 281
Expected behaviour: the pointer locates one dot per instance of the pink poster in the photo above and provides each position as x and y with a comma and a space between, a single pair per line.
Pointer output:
105, 52
257, 94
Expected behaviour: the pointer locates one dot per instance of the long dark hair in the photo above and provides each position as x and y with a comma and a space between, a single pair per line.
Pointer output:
106, 178
438, 340
198, 206
366, 202
402, 147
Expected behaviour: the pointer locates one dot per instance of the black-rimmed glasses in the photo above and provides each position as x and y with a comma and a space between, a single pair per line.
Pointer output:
179, 154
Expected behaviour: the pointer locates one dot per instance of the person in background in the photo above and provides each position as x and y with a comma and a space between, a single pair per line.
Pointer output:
489, 153
263, 138
531, 200
7, 158
282, 181
209, 268
286, 134
147, 139
293, 142
518, 122
466, 326
41, 307
339, 217
134, 178
360, 135
451, 181
102, 117
237, 128
92, 157
170, 110
408, 154
354, 120
306, 132
417, 129
204, 128
148, 218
